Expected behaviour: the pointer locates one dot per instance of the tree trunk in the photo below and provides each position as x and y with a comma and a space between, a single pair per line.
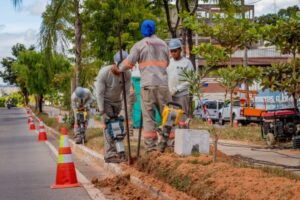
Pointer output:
245, 64
169, 22
40, 103
36, 102
216, 138
184, 42
231, 108
78, 37
190, 44
26, 98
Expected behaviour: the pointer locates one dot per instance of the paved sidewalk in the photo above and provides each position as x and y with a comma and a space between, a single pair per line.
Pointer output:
286, 158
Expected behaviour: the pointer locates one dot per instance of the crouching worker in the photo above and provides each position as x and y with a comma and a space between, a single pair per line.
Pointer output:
80, 101
109, 91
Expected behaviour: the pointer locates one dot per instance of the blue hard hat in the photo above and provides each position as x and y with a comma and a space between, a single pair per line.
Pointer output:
174, 44
79, 91
117, 56
148, 28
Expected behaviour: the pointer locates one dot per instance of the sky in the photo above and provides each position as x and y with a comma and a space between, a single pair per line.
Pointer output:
22, 25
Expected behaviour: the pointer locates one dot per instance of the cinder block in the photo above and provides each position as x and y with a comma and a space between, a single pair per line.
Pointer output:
191, 140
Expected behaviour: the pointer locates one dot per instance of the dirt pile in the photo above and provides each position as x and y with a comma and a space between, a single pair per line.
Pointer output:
121, 186
199, 177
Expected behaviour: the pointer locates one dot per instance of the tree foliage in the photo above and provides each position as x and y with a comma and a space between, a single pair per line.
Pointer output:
285, 35
230, 78
228, 31
104, 19
37, 76
282, 77
283, 14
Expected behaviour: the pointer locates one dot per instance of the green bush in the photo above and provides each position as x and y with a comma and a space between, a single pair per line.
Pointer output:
2, 101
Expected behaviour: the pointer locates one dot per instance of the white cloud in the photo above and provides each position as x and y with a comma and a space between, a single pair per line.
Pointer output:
7, 40
38, 7
270, 6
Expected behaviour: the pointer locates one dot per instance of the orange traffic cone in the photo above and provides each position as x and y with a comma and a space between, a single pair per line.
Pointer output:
42, 132
31, 124
65, 173
235, 123
209, 121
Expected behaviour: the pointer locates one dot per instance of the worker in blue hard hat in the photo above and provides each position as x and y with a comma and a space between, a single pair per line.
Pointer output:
179, 89
152, 55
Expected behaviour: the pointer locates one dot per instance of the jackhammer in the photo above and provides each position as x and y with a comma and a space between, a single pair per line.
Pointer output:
171, 116
115, 129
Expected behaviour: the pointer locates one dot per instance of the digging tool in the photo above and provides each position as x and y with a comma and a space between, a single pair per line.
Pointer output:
125, 101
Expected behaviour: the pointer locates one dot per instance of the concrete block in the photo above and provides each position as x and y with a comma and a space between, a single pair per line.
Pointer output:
191, 140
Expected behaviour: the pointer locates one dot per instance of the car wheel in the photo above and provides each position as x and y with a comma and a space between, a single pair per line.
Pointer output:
270, 139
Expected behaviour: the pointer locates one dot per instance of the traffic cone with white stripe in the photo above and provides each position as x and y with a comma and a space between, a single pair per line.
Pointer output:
42, 133
65, 173
31, 124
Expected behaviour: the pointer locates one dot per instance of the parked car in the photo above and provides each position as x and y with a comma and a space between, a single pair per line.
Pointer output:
237, 113
211, 109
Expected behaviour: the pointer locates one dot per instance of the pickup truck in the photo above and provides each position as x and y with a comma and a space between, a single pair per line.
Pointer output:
242, 114
224, 113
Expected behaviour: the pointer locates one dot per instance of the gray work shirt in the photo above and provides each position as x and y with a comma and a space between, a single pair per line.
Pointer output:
152, 56
109, 87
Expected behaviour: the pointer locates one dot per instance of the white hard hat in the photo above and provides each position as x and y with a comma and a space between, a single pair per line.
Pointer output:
174, 44
117, 56
79, 91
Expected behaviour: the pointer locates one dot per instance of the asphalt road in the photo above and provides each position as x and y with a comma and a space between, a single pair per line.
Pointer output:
27, 167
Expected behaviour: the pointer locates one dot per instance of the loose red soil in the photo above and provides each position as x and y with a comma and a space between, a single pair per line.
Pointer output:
203, 179
121, 186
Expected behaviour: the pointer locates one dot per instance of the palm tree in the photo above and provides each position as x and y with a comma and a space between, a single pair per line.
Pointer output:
55, 27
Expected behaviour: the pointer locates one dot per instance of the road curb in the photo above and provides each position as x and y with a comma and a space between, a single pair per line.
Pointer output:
114, 168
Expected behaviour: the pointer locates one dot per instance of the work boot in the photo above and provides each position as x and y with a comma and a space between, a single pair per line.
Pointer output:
148, 151
163, 144
122, 157
113, 159
78, 139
